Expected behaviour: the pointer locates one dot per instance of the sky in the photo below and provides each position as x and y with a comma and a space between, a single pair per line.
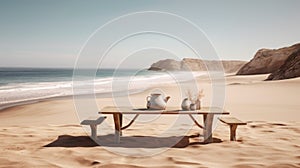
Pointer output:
51, 33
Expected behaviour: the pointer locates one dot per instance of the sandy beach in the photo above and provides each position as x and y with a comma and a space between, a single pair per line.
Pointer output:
48, 134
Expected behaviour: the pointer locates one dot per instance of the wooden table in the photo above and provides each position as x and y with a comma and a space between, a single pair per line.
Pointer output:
207, 112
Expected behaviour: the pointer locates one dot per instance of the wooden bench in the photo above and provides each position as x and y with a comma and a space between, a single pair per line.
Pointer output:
233, 123
93, 123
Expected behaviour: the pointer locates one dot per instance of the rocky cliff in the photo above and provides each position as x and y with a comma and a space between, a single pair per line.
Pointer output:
267, 60
167, 64
290, 68
197, 65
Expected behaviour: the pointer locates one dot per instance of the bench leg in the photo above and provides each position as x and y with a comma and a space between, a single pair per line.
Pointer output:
233, 132
94, 131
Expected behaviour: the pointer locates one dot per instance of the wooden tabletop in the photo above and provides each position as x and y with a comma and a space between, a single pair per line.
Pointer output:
169, 110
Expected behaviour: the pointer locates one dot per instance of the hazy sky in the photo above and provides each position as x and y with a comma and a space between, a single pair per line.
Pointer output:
51, 33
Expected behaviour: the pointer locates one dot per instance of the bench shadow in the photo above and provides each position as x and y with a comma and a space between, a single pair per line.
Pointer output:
128, 141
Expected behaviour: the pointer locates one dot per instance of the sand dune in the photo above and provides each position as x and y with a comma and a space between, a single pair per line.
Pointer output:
47, 134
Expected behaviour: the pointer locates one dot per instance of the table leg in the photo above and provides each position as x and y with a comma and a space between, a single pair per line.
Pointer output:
121, 123
117, 121
207, 131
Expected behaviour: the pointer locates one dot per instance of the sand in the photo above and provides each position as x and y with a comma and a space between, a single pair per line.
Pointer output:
48, 134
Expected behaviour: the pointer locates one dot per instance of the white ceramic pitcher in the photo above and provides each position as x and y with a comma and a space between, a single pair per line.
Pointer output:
157, 102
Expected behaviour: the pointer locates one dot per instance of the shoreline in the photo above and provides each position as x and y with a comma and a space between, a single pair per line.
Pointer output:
29, 100
102, 95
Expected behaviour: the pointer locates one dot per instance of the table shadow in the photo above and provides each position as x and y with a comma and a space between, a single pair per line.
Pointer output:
128, 141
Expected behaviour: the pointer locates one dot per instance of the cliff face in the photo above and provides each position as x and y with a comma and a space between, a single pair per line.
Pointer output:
167, 64
267, 60
290, 68
197, 65
282, 63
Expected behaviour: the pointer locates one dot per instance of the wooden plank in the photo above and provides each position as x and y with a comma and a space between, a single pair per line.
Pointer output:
232, 121
169, 110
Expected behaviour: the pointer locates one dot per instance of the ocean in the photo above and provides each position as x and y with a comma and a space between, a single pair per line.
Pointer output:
19, 85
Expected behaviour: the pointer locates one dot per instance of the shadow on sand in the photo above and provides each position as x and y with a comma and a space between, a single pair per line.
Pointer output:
128, 141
